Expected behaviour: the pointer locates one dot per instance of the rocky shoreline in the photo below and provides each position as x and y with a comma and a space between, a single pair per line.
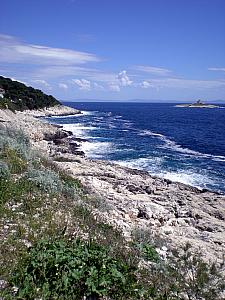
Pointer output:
132, 199
57, 110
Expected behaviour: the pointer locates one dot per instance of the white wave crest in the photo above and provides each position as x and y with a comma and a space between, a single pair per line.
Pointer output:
188, 177
65, 117
83, 113
96, 149
151, 164
151, 133
169, 144
155, 167
78, 129
87, 113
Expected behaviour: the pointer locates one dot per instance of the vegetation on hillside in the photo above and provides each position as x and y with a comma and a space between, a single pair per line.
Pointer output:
56, 245
17, 96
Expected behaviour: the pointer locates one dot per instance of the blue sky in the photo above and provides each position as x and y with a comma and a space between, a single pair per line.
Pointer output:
116, 49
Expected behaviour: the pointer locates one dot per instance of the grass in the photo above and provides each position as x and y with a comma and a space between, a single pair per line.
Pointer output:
55, 245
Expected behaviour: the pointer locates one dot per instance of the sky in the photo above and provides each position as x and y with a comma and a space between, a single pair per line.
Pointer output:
120, 50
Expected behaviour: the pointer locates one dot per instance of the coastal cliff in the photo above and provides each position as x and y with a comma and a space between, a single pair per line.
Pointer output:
179, 212
159, 212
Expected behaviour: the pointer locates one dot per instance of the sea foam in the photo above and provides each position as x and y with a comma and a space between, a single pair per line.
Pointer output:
78, 129
155, 167
96, 149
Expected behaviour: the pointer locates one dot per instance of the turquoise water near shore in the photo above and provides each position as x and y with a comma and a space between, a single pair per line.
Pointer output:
181, 144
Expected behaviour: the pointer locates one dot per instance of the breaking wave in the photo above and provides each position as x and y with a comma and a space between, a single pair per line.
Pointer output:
169, 144
116, 136
155, 167
96, 149
79, 129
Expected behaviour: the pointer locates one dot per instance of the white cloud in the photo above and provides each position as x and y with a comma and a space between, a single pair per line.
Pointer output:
145, 84
60, 71
98, 87
123, 78
186, 83
83, 84
114, 87
42, 83
102, 76
217, 69
153, 70
91, 74
15, 51
63, 86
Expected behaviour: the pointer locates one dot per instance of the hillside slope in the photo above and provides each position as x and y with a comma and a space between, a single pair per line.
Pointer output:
58, 242
15, 95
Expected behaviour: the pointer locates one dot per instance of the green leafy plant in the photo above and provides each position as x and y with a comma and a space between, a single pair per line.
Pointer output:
63, 269
148, 252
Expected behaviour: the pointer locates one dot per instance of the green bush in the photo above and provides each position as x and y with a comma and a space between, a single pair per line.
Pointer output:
15, 162
14, 150
71, 270
71, 186
46, 180
15, 139
148, 252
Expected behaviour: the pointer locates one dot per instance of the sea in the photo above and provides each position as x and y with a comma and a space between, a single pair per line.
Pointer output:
181, 144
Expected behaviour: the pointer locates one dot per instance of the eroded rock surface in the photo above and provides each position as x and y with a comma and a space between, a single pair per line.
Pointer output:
131, 198
176, 211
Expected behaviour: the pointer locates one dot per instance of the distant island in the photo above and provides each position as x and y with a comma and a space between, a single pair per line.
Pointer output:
198, 104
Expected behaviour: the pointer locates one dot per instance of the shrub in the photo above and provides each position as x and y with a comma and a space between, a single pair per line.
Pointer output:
195, 277
16, 164
71, 186
47, 180
148, 252
183, 276
14, 149
16, 140
71, 270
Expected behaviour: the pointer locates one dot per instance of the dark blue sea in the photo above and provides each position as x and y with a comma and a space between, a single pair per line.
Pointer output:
182, 144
